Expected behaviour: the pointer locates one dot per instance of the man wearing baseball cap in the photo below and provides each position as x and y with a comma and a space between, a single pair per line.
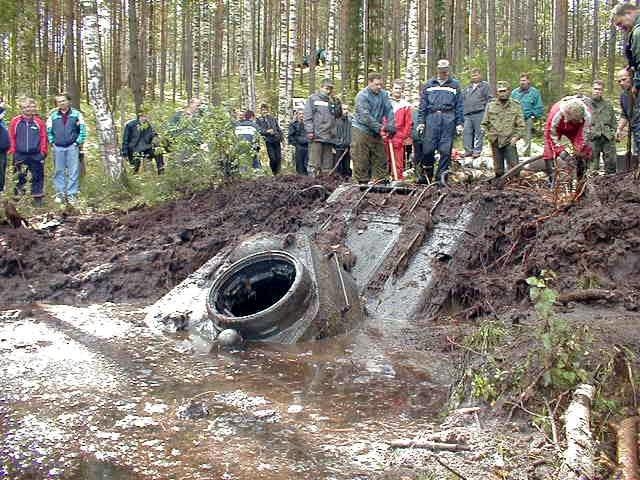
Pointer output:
320, 114
440, 117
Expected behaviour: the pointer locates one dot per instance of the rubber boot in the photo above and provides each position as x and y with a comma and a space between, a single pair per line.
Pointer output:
443, 178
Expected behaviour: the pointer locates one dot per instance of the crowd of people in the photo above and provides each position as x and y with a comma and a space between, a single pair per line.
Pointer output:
372, 145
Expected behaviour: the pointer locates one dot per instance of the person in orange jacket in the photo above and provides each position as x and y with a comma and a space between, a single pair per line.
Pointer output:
403, 116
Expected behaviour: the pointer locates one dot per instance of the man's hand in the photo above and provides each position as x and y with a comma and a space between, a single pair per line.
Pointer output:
563, 155
420, 129
383, 133
310, 136
513, 141
459, 129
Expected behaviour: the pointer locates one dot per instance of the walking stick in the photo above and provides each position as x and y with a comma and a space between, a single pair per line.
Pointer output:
392, 154
335, 167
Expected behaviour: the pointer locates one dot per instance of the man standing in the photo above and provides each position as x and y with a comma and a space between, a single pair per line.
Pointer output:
476, 97
626, 17
66, 131
404, 122
270, 131
504, 124
5, 143
441, 110
532, 107
368, 131
343, 143
28, 138
247, 130
630, 118
140, 141
571, 118
320, 113
297, 136
603, 127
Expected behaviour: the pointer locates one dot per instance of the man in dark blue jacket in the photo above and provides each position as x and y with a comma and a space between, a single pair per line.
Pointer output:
4, 146
140, 141
297, 136
440, 117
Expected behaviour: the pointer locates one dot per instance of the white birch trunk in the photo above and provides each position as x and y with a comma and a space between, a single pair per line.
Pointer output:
287, 35
95, 84
578, 461
249, 65
412, 90
283, 63
331, 40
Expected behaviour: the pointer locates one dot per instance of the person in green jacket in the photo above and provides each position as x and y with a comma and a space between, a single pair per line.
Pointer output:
602, 134
532, 107
504, 126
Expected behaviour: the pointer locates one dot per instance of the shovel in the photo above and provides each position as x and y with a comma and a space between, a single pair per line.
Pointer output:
392, 154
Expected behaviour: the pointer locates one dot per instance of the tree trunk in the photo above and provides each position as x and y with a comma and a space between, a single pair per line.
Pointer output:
413, 63
611, 51
95, 87
595, 42
558, 47
136, 66
491, 44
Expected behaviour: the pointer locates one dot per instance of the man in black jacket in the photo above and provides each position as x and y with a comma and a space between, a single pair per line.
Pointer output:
270, 131
343, 143
297, 137
140, 141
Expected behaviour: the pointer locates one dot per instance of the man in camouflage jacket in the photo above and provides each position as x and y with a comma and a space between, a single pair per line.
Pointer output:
504, 125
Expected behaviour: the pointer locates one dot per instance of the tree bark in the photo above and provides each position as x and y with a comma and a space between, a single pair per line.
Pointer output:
95, 87
413, 63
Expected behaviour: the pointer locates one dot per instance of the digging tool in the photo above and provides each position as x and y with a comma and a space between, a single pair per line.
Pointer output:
335, 167
517, 168
392, 154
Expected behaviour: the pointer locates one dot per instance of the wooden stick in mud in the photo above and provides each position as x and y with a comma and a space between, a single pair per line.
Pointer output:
519, 166
587, 295
450, 447
627, 447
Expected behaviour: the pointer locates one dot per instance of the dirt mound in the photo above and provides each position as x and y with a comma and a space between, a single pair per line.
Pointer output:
592, 243
138, 256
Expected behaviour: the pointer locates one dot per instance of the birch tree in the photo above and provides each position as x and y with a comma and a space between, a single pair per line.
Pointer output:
288, 27
413, 61
95, 87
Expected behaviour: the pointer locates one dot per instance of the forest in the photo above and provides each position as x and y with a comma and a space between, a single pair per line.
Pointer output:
237, 52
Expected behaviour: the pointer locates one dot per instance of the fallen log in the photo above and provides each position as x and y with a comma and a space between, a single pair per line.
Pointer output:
627, 448
450, 447
588, 295
578, 460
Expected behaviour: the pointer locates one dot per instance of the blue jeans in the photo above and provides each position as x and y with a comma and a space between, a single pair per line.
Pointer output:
66, 178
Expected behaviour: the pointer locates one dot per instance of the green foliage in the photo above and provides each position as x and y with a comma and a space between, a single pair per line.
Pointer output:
487, 337
563, 348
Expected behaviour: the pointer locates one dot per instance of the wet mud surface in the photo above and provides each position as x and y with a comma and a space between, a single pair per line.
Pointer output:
88, 392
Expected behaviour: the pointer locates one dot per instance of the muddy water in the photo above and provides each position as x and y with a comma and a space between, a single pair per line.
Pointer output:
90, 393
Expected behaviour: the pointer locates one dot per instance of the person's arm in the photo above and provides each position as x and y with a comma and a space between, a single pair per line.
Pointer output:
13, 125
363, 114
520, 126
459, 107
291, 134
50, 135
44, 141
538, 107
611, 122
82, 126
390, 126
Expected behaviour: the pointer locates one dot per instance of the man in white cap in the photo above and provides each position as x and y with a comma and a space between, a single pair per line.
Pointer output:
440, 117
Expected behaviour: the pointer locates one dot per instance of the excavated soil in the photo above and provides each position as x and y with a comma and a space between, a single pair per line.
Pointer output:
137, 256
140, 255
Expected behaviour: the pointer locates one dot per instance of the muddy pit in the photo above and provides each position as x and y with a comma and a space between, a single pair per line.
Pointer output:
90, 392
